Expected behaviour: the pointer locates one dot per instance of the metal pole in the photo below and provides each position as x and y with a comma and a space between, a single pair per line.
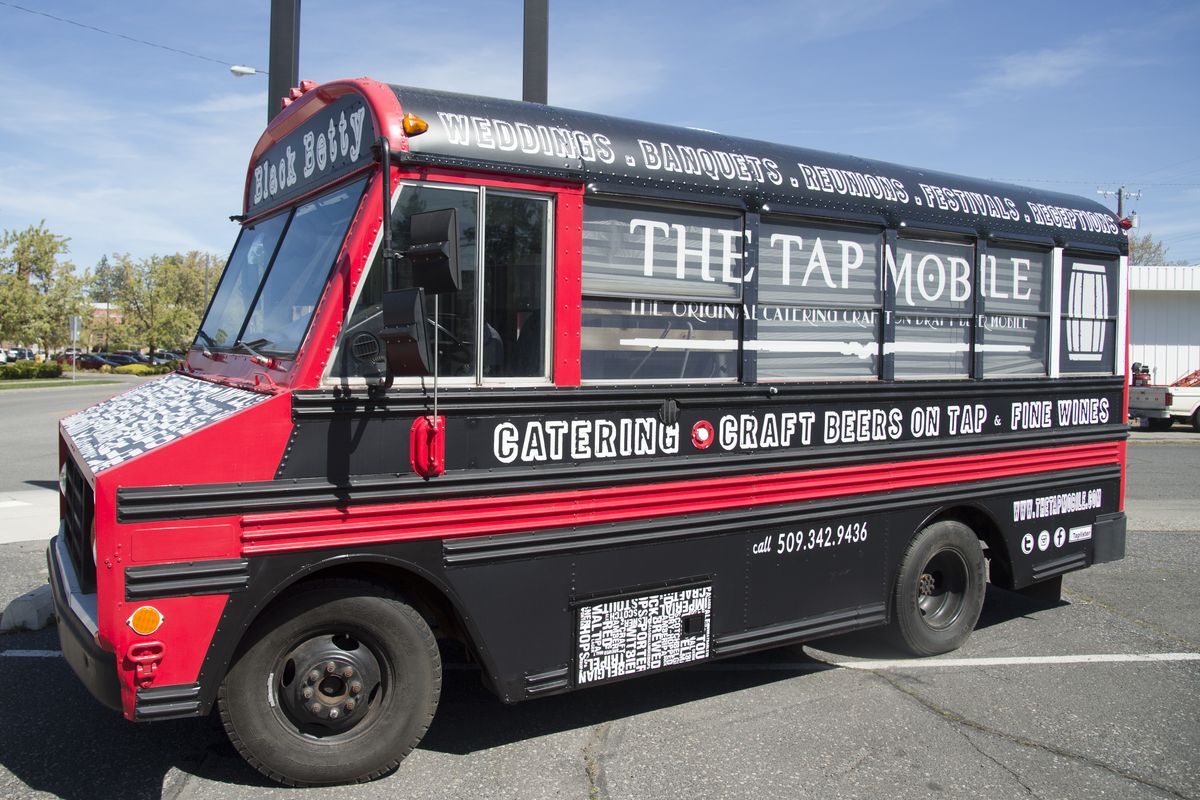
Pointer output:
285, 53
537, 33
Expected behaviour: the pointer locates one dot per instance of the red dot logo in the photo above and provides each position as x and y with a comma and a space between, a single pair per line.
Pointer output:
702, 435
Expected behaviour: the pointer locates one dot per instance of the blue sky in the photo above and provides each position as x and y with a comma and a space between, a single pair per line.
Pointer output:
129, 148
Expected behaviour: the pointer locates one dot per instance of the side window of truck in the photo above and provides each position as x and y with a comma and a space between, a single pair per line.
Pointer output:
495, 327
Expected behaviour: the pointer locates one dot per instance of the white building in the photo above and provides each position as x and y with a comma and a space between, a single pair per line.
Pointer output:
1164, 320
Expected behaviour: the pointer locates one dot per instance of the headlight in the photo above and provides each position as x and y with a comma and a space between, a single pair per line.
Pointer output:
62, 479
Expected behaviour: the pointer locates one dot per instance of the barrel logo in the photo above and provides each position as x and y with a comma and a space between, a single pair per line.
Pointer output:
1087, 312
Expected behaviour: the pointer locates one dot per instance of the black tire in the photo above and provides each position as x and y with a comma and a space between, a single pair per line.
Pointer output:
1159, 424
1196, 420
939, 590
352, 723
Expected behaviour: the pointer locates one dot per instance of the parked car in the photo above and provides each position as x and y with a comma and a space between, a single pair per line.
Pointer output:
20, 354
137, 356
93, 361
117, 359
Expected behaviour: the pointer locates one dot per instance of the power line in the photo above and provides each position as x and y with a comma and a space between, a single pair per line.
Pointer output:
114, 34
1171, 166
1088, 183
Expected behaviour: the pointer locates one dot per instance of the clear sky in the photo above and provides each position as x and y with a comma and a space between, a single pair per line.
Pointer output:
125, 147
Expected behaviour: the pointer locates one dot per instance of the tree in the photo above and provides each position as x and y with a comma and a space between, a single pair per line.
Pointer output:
104, 284
1144, 250
18, 304
39, 290
161, 297
62, 299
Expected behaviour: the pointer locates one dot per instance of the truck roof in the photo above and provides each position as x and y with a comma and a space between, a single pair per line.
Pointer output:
616, 156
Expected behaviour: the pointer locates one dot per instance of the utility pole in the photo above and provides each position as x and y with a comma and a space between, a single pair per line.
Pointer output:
284, 67
1120, 194
534, 67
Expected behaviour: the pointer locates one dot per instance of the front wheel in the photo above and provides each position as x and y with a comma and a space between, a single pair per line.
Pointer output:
351, 676
939, 590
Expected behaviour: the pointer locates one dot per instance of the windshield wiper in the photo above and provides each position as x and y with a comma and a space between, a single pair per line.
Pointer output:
208, 342
255, 356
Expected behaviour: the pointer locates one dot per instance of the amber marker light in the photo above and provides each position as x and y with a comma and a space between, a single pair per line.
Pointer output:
146, 620
414, 125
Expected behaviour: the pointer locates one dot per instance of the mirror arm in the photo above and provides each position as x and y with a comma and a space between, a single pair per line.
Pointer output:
382, 151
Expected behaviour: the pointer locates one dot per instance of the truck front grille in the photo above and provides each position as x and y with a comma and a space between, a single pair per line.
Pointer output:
79, 509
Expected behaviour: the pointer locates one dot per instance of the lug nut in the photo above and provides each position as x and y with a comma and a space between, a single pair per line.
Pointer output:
330, 667
315, 708
312, 676
333, 713
308, 693
350, 704
348, 672
355, 687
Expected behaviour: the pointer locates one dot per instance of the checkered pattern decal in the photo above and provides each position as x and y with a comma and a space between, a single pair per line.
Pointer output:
150, 416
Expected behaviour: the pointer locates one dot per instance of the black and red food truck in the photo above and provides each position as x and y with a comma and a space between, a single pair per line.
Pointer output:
594, 397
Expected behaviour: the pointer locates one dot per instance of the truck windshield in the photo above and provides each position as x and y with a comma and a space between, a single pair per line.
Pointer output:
276, 273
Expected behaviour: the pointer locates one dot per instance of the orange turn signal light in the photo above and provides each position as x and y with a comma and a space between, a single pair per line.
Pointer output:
414, 125
146, 620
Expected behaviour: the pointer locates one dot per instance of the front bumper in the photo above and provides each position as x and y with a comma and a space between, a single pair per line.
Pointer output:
77, 628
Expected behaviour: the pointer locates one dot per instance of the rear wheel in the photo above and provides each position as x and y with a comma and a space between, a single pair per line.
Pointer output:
1196, 420
1159, 424
939, 590
352, 678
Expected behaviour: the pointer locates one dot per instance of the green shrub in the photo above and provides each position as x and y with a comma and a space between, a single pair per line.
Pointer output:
27, 370
18, 370
144, 369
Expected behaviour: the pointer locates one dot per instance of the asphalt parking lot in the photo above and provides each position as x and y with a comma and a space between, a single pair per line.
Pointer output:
1015, 713
1092, 697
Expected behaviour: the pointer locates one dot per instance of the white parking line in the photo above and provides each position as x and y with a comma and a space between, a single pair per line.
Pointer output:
31, 653
13, 504
945, 663
1101, 658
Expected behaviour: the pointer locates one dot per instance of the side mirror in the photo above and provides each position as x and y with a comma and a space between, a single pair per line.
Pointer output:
403, 333
433, 251
433, 256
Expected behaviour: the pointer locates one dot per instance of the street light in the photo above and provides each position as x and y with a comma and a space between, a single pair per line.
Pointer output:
239, 71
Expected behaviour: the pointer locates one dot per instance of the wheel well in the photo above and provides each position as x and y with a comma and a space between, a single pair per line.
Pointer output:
979, 521
428, 600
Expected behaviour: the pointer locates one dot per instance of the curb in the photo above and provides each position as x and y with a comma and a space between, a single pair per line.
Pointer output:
31, 611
